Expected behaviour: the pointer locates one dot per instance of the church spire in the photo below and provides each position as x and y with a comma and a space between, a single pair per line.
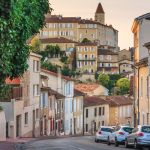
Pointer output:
100, 14
100, 9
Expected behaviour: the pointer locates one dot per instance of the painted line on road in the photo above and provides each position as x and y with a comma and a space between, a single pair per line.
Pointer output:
77, 147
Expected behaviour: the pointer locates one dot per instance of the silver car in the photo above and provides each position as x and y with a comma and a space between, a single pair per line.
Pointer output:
103, 133
139, 137
119, 135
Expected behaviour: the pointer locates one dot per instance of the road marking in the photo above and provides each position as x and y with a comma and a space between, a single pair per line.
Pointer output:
77, 147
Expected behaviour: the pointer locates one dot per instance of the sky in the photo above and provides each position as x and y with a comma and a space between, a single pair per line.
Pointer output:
119, 13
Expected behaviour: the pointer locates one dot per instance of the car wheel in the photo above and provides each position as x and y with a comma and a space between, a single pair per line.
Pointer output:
96, 140
108, 142
136, 146
126, 144
116, 143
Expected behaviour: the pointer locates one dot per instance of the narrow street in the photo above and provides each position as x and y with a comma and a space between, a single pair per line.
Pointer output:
73, 143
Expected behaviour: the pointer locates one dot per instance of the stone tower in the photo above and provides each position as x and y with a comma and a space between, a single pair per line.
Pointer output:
100, 14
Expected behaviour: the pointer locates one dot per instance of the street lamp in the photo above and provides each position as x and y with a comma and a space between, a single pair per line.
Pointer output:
147, 45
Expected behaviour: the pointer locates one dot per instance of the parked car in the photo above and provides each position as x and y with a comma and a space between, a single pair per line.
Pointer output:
140, 136
103, 133
119, 135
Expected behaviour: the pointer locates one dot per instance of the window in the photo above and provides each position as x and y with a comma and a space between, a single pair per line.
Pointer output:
26, 118
103, 111
36, 90
95, 112
86, 113
103, 123
86, 128
85, 56
101, 57
100, 111
37, 113
36, 65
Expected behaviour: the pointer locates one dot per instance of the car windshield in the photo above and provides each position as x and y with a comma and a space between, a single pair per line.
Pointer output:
106, 129
146, 129
127, 129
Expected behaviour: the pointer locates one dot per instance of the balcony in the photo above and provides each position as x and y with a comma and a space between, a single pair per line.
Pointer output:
15, 93
86, 59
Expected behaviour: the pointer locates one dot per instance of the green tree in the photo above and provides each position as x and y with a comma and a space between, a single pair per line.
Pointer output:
123, 85
19, 20
36, 46
86, 40
103, 79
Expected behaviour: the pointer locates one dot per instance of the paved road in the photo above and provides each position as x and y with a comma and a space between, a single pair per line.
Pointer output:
73, 143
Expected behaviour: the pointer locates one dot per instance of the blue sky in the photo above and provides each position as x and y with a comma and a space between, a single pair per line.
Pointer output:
119, 13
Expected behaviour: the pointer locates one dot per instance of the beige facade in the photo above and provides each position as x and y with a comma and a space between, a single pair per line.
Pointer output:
2, 126
63, 43
86, 58
22, 110
96, 114
78, 112
140, 29
125, 61
76, 29
107, 61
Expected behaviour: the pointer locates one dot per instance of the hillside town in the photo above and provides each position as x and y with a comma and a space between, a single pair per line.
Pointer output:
77, 83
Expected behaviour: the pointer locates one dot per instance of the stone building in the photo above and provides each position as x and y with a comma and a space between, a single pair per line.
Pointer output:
141, 32
86, 58
21, 106
107, 61
76, 29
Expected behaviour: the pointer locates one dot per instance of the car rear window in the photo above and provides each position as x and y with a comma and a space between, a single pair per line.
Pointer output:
106, 129
127, 129
146, 129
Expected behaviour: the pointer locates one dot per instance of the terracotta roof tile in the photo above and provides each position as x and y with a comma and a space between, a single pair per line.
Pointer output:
94, 101
79, 20
57, 40
119, 100
86, 87
15, 81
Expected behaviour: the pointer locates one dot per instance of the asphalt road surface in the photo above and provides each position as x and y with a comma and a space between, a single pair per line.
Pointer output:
72, 143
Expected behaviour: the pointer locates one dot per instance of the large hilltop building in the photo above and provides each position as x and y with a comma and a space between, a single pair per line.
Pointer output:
76, 29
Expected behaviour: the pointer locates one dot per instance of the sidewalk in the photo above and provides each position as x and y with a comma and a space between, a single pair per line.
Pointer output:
11, 144
7, 146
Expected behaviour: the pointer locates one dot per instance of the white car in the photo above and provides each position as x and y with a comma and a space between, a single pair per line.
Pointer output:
119, 135
103, 133
139, 137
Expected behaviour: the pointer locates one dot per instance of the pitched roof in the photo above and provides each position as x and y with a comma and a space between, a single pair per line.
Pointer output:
119, 100
106, 52
78, 93
57, 95
99, 9
56, 75
15, 81
94, 101
57, 40
61, 19
53, 92
86, 87
79, 20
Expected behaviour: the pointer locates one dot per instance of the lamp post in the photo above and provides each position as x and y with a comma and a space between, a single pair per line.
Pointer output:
147, 45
